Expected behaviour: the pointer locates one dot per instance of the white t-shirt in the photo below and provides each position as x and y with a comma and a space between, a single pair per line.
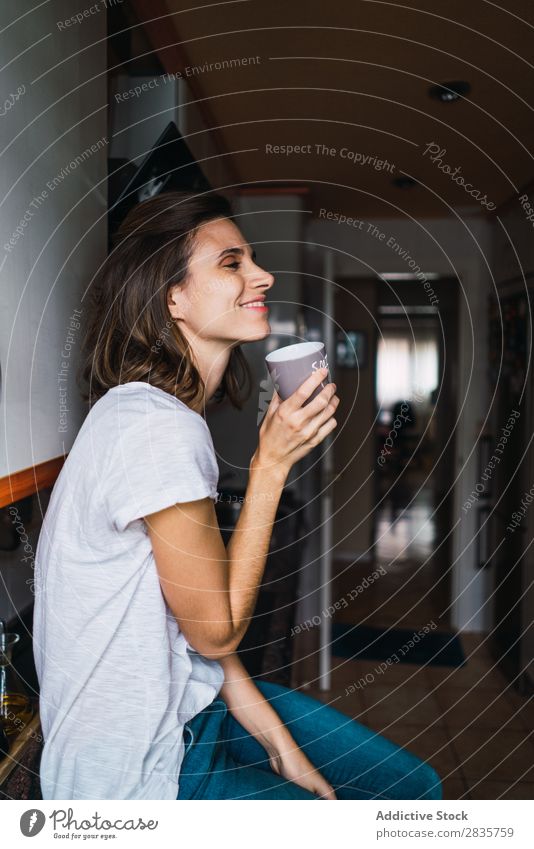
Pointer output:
118, 679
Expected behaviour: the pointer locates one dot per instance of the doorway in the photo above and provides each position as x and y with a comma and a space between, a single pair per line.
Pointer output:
415, 395
396, 513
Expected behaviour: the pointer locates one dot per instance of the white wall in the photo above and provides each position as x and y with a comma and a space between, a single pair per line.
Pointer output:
44, 271
447, 247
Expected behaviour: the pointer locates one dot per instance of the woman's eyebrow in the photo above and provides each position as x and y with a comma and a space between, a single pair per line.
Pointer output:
239, 251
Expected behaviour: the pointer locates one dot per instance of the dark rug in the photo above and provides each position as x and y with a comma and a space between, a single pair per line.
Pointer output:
361, 642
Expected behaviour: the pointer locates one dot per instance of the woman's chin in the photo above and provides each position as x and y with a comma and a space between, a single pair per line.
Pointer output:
256, 335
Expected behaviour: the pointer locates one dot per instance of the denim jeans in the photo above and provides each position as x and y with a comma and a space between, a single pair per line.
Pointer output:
223, 761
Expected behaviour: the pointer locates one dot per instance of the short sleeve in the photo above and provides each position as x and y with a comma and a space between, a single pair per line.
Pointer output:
162, 455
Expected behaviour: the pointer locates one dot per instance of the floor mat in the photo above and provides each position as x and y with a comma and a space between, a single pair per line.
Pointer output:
362, 642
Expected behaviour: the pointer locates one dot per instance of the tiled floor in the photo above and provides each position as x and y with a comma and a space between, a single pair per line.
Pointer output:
468, 722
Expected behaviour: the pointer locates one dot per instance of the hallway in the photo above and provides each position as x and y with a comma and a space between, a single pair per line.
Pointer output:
466, 721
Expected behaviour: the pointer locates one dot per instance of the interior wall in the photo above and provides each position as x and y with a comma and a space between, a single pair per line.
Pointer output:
512, 236
53, 220
513, 257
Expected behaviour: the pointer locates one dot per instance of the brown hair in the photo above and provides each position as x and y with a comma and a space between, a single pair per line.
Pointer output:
131, 335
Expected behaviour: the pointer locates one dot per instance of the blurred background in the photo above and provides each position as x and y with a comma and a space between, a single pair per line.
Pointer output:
379, 158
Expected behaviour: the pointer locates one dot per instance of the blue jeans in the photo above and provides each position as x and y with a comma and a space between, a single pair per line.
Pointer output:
223, 761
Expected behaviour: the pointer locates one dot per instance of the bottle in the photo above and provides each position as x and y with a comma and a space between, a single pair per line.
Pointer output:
16, 709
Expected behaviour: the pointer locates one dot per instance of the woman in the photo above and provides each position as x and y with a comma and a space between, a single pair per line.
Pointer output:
139, 607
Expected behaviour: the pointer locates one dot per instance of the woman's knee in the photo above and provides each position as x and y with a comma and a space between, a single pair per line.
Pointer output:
430, 782
419, 781
400, 773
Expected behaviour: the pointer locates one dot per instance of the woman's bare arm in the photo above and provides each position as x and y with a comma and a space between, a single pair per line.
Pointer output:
251, 709
259, 718
212, 591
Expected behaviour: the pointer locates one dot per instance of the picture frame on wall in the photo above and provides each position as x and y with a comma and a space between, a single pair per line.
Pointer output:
351, 349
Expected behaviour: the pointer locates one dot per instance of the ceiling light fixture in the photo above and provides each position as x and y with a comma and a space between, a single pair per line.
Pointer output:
450, 92
404, 182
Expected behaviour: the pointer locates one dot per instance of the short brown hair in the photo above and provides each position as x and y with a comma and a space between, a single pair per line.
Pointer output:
130, 335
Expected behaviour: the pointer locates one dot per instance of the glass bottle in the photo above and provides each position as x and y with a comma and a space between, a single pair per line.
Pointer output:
16, 709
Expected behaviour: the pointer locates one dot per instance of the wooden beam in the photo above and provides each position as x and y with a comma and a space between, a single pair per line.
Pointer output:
26, 482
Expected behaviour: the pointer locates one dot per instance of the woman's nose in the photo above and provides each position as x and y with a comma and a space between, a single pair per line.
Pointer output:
267, 279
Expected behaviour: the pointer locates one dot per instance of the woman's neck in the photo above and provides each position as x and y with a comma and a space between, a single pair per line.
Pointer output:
211, 365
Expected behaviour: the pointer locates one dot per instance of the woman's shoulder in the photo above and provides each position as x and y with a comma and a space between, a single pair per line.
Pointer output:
141, 390
142, 397
139, 413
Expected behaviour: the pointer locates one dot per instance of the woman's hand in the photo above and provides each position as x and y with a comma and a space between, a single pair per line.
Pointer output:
289, 431
291, 763
258, 717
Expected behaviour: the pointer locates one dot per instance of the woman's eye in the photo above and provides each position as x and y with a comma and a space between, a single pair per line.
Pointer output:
233, 265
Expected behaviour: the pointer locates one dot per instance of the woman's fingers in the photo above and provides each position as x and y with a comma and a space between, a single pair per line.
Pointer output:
324, 789
319, 403
321, 418
274, 403
296, 400
329, 794
287, 431
323, 431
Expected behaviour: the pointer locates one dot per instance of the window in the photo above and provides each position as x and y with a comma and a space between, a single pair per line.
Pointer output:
407, 365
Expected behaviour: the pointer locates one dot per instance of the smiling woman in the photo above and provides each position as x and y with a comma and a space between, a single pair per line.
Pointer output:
130, 550
153, 604
223, 266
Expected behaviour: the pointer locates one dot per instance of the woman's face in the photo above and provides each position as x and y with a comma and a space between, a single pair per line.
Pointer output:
223, 276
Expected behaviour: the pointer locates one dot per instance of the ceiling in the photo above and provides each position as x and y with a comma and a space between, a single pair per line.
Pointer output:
353, 76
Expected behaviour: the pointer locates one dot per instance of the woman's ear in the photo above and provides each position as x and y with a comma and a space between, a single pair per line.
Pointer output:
174, 302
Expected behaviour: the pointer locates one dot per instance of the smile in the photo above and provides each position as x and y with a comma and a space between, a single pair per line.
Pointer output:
255, 305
